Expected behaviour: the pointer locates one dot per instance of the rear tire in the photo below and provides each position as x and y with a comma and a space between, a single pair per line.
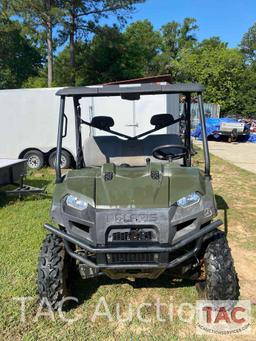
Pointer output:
54, 270
221, 281
35, 159
65, 159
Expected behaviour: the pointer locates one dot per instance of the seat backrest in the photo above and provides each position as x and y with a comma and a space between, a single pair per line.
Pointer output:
101, 149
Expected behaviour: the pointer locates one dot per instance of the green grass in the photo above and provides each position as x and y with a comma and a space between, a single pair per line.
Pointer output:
21, 234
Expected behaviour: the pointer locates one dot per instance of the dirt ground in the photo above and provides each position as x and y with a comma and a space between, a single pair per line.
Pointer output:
242, 155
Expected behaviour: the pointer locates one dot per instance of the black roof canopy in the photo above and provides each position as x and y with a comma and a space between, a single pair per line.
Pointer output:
126, 89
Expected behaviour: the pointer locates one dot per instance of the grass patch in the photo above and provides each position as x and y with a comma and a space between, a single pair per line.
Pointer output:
21, 234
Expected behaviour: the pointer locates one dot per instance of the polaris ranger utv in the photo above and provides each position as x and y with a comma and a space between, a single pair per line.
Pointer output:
134, 206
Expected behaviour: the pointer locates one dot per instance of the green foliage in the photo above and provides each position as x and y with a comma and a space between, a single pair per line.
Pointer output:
247, 92
39, 81
36, 16
81, 18
18, 58
176, 36
104, 59
111, 55
143, 44
64, 74
217, 67
248, 45
97, 62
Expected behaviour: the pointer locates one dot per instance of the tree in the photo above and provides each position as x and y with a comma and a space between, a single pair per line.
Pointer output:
143, 45
213, 43
97, 61
175, 36
18, 58
38, 81
187, 30
248, 85
248, 45
217, 67
4, 9
40, 17
83, 17
112, 55
170, 38
104, 58
63, 76
247, 91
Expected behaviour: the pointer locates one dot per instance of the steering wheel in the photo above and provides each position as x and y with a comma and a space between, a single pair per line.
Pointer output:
160, 154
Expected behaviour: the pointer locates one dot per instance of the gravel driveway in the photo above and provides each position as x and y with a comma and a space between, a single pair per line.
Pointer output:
242, 155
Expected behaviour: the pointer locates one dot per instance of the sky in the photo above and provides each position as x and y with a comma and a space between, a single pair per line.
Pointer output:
228, 19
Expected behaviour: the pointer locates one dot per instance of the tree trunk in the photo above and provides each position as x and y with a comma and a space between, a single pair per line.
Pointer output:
72, 43
49, 53
48, 6
72, 57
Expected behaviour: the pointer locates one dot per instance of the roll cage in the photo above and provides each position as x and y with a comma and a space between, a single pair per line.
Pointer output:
129, 92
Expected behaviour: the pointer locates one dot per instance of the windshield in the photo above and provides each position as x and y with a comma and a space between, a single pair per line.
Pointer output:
168, 124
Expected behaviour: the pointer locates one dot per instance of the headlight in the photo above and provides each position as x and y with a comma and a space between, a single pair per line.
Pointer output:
76, 203
191, 199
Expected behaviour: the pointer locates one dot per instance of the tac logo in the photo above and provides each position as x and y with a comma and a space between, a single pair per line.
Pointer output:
223, 317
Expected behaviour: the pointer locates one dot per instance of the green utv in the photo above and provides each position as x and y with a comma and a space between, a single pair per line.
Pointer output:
135, 206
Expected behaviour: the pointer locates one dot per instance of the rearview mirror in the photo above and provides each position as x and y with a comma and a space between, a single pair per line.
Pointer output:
131, 97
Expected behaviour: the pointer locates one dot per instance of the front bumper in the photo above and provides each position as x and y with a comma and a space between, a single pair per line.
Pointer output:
164, 251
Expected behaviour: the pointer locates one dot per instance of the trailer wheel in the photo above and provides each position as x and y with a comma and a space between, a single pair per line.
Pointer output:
55, 268
65, 159
234, 135
221, 281
35, 159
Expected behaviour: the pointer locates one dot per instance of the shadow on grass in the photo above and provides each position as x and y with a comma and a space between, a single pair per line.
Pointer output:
6, 199
222, 205
83, 289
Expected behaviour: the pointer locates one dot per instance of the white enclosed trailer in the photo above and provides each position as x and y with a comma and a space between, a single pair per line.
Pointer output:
29, 121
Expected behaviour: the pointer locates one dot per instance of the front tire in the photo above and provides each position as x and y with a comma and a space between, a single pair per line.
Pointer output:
54, 269
221, 281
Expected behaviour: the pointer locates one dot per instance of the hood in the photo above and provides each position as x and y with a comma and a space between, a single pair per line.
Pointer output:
153, 186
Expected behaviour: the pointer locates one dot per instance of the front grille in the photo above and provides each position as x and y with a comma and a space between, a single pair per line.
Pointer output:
130, 258
132, 235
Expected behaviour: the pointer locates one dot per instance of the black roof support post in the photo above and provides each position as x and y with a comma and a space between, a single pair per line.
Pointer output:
78, 121
204, 135
188, 128
59, 140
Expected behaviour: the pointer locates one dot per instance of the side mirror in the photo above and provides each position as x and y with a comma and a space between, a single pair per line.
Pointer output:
162, 120
102, 122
